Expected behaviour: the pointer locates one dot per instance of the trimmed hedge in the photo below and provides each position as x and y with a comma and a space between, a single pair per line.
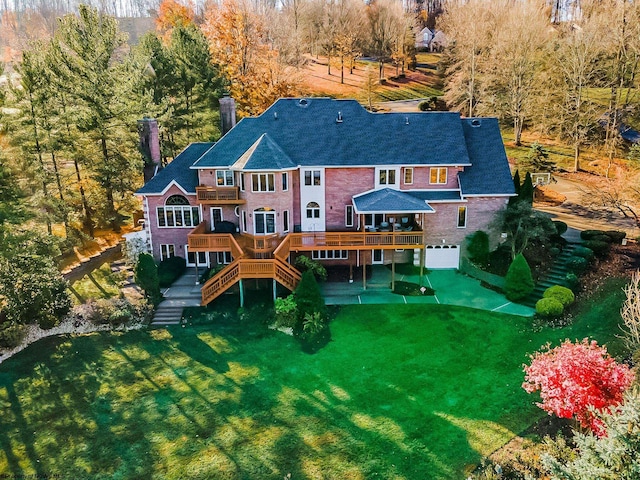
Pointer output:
589, 234
583, 252
563, 294
600, 248
171, 269
561, 227
616, 236
577, 265
549, 307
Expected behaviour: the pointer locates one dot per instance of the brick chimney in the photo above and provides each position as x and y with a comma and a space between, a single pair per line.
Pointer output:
227, 113
149, 147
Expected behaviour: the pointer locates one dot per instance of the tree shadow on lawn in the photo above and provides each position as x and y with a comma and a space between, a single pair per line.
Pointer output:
75, 432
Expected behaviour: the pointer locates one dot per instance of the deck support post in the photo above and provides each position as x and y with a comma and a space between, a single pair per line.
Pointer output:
197, 279
422, 254
241, 284
274, 290
364, 273
393, 271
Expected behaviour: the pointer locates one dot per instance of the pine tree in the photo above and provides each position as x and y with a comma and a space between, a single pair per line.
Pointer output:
518, 283
526, 191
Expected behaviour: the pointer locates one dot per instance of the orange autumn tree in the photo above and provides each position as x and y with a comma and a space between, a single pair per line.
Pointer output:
239, 44
172, 13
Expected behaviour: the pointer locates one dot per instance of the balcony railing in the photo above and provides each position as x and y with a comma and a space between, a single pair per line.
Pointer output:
354, 240
219, 195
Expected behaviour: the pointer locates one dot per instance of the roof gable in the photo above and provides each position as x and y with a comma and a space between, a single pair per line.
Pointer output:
177, 172
264, 154
389, 201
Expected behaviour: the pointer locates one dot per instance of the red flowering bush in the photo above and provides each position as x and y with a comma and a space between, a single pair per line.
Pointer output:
574, 379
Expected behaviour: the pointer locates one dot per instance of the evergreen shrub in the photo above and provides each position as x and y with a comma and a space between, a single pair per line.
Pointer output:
616, 236
572, 281
561, 227
563, 294
518, 281
308, 296
577, 265
478, 247
600, 248
146, 277
11, 334
583, 252
549, 307
589, 234
170, 269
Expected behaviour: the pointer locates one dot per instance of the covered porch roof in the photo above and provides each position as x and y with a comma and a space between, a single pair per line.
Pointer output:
388, 200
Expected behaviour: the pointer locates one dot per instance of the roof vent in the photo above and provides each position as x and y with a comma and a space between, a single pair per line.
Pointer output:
476, 122
339, 119
275, 115
303, 102
406, 120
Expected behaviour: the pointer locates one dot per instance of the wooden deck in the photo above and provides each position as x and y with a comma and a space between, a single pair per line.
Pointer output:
219, 196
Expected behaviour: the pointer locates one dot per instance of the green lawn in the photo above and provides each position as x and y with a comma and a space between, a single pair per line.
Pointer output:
402, 391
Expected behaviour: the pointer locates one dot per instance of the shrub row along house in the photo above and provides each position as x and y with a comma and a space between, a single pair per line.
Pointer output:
330, 180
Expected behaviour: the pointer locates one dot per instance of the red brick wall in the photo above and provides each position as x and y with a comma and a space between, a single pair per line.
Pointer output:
278, 201
342, 184
421, 176
175, 236
443, 224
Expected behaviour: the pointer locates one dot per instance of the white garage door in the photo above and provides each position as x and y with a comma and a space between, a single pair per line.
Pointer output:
442, 256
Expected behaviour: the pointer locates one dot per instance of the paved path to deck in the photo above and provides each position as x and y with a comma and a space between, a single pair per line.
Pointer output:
451, 288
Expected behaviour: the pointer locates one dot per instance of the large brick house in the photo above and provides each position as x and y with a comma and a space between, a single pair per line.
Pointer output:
330, 180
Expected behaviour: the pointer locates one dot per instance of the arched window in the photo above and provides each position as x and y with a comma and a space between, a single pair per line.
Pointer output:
313, 210
178, 213
176, 200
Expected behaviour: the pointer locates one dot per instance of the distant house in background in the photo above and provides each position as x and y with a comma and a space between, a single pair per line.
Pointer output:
423, 39
330, 180
433, 41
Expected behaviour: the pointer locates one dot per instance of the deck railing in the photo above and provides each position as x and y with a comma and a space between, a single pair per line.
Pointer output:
354, 240
218, 195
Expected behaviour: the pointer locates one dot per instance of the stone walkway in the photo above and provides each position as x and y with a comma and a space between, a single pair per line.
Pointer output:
183, 293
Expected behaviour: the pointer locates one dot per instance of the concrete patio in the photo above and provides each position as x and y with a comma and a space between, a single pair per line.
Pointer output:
451, 288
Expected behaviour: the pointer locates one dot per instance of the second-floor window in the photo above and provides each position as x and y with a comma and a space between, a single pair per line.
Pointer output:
387, 176
263, 182
348, 216
178, 213
224, 178
438, 175
312, 177
285, 181
408, 176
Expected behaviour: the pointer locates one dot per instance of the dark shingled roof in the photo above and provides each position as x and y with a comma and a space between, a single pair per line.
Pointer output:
436, 195
178, 170
327, 132
264, 154
389, 201
489, 173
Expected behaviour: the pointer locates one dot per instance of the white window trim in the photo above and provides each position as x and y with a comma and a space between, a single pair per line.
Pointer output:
286, 226
312, 176
404, 177
396, 171
330, 254
260, 183
179, 208
244, 221
466, 214
348, 217
211, 215
163, 248
242, 187
226, 175
446, 175
221, 258
285, 181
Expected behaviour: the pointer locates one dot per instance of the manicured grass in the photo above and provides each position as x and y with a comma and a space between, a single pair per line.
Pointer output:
101, 283
402, 391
